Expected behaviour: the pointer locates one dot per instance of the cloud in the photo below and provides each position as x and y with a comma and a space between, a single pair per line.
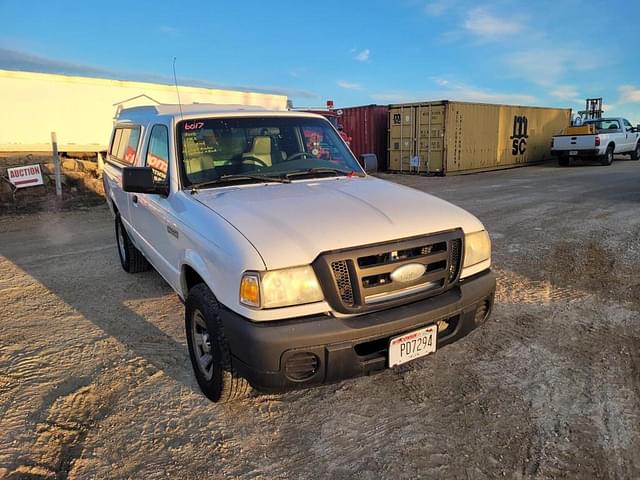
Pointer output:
362, 56
473, 94
628, 94
390, 97
18, 60
28, 62
564, 91
567, 93
456, 91
348, 85
168, 30
626, 105
435, 8
485, 25
547, 66
443, 82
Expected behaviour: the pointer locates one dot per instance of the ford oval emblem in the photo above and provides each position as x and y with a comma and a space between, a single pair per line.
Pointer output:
408, 273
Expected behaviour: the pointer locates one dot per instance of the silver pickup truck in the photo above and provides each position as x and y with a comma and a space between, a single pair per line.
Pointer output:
295, 266
612, 136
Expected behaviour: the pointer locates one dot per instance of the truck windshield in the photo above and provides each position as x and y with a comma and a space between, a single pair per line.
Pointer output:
278, 147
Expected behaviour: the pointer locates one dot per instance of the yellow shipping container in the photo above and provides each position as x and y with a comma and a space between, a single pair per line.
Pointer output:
460, 137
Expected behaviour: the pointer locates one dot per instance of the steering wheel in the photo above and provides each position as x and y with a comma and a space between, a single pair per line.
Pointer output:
298, 155
254, 160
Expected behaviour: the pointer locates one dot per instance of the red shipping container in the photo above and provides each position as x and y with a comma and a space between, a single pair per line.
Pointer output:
367, 127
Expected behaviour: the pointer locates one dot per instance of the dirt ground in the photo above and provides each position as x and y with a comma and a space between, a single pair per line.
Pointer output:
95, 380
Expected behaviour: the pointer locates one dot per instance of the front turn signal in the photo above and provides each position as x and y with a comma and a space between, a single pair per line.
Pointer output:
250, 290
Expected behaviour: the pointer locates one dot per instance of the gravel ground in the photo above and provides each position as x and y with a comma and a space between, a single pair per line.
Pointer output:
95, 380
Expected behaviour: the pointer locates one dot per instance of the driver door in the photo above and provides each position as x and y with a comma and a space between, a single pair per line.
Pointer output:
152, 213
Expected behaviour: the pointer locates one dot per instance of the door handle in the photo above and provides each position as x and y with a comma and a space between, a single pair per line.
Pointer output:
135, 199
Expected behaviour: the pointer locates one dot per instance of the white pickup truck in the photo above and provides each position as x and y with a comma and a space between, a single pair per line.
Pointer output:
611, 136
295, 266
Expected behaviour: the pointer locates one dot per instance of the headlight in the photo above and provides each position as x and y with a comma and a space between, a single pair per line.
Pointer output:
280, 288
477, 248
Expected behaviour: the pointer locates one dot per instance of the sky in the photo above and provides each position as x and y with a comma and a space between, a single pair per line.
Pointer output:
546, 53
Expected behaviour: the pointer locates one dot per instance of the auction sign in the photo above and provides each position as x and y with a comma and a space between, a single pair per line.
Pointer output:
27, 176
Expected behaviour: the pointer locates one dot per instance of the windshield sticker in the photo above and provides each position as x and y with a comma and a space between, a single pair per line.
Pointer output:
193, 125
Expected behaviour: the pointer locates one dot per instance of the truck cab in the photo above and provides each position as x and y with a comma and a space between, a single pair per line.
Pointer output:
296, 267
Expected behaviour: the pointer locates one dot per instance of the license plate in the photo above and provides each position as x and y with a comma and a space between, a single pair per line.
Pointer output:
573, 152
416, 344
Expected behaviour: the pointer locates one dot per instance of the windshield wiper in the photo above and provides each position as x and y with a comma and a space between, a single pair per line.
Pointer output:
321, 171
239, 176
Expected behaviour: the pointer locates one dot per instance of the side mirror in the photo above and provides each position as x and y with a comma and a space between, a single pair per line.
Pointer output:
140, 180
369, 162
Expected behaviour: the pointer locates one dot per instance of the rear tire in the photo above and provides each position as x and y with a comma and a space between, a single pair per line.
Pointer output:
131, 258
209, 350
564, 161
635, 155
607, 158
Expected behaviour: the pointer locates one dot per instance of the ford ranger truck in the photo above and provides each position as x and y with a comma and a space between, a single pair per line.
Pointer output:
296, 268
610, 136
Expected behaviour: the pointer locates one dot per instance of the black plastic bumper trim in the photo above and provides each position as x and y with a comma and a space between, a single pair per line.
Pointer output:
260, 349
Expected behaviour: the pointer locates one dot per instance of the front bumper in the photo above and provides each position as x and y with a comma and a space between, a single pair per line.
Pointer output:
348, 347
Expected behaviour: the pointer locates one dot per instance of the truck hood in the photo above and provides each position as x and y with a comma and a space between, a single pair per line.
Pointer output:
291, 224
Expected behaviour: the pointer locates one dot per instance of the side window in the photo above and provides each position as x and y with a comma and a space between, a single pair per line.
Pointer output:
116, 141
158, 152
132, 146
626, 123
125, 144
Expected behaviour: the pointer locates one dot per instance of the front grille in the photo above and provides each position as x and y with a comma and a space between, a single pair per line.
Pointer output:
343, 282
454, 258
377, 276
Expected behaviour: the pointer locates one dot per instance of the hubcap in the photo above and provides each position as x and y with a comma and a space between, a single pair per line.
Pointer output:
121, 242
202, 347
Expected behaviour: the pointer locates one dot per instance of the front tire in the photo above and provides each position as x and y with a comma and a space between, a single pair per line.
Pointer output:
209, 350
635, 155
131, 258
607, 158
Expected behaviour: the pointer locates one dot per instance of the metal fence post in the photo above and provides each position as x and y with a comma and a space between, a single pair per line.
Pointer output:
56, 163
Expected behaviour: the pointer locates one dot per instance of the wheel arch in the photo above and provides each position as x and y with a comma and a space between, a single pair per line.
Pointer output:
193, 271
189, 278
